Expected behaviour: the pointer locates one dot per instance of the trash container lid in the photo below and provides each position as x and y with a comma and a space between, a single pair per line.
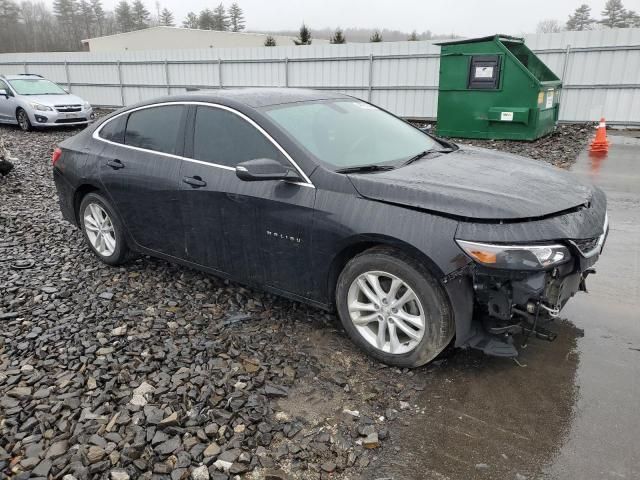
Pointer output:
497, 36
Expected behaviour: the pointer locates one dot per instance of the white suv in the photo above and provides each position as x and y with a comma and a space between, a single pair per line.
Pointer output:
32, 101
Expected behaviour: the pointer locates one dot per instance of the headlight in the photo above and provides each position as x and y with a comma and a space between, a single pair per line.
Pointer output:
515, 257
40, 107
87, 105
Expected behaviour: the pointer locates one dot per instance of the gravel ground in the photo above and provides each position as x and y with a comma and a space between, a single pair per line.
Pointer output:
152, 370
561, 148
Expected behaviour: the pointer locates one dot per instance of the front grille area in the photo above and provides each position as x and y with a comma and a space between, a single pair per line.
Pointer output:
71, 120
68, 108
586, 245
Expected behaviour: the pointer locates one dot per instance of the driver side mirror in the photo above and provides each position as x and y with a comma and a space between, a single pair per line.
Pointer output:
4, 93
265, 169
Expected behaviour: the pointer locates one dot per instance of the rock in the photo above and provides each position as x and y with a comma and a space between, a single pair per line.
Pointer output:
270, 474
200, 473
169, 446
91, 383
57, 449
119, 331
328, 467
239, 428
26, 368
481, 466
222, 465
95, 454
213, 450
118, 474
353, 413
404, 406
20, 392
105, 351
276, 390
106, 295
230, 455
139, 394
170, 421
371, 441
42, 470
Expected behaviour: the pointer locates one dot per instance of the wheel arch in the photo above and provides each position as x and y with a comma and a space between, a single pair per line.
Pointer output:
79, 194
359, 244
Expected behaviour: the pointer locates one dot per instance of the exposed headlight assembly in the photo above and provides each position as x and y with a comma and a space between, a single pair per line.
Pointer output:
40, 107
515, 257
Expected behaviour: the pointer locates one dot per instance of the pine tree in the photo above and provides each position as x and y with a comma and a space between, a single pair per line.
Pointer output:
338, 36
166, 18
220, 19
66, 12
613, 15
413, 37
99, 15
236, 17
205, 20
87, 18
632, 19
304, 36
376, 37
124, 18
140, 15
191, 21
9, 16
269, 41
581, 18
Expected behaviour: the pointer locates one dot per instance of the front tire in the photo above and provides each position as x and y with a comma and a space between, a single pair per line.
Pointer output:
102, 229
23, 120
393, 308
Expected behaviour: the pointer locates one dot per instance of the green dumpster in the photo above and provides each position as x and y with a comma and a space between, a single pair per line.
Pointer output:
495, 87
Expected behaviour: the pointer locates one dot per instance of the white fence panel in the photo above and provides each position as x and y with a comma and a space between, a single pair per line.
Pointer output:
600, 71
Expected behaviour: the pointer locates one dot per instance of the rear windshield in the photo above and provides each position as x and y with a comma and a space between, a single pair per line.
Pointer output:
36, 86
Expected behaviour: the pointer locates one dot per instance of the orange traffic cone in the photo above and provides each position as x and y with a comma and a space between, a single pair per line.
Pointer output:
600, 142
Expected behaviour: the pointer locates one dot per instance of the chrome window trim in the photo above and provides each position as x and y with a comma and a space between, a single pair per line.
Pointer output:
96, 135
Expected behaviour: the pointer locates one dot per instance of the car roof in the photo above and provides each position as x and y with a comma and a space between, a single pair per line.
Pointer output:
22, 77
254, 97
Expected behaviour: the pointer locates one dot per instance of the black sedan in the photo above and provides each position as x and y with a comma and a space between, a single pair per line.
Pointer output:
418, 243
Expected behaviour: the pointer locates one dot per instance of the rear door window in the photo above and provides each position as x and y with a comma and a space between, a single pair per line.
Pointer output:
113, 130
224, 138
156, 128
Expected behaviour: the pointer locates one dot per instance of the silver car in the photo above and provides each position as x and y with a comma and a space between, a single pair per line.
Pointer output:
33, 101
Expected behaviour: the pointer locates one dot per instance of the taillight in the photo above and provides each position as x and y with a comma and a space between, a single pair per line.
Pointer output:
55, 156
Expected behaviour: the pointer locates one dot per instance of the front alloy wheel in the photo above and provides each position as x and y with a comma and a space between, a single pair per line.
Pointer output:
386, 312
23, 120
393, 308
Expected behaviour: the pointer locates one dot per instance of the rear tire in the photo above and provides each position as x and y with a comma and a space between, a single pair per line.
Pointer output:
383, 288
103, 230
23, 120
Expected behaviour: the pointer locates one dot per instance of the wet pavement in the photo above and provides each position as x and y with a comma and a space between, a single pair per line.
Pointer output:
570, 409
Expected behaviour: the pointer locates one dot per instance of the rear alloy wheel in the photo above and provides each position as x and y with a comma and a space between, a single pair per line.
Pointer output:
393, 308
103, 230
23, 120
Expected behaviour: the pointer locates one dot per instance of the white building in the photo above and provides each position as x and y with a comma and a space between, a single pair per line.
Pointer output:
163, 38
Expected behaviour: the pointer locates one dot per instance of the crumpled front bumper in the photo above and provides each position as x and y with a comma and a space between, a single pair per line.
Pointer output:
508, 302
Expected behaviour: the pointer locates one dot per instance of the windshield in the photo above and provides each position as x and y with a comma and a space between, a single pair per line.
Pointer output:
350, 133
36, 86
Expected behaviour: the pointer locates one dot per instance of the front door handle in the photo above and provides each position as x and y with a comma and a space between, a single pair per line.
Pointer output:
195, 182
115, 164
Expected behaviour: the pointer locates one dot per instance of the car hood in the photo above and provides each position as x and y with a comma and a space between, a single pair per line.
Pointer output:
52, 100
476, 183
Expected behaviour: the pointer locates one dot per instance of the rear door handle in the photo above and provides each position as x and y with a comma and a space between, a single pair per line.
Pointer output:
195, 182
115, 164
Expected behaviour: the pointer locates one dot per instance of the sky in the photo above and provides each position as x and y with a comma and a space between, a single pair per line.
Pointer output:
462, 17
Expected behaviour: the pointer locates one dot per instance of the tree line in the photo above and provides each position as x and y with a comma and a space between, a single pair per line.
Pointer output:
614, 15
29, 26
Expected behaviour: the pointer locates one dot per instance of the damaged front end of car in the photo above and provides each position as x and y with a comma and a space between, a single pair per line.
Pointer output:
521, 288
